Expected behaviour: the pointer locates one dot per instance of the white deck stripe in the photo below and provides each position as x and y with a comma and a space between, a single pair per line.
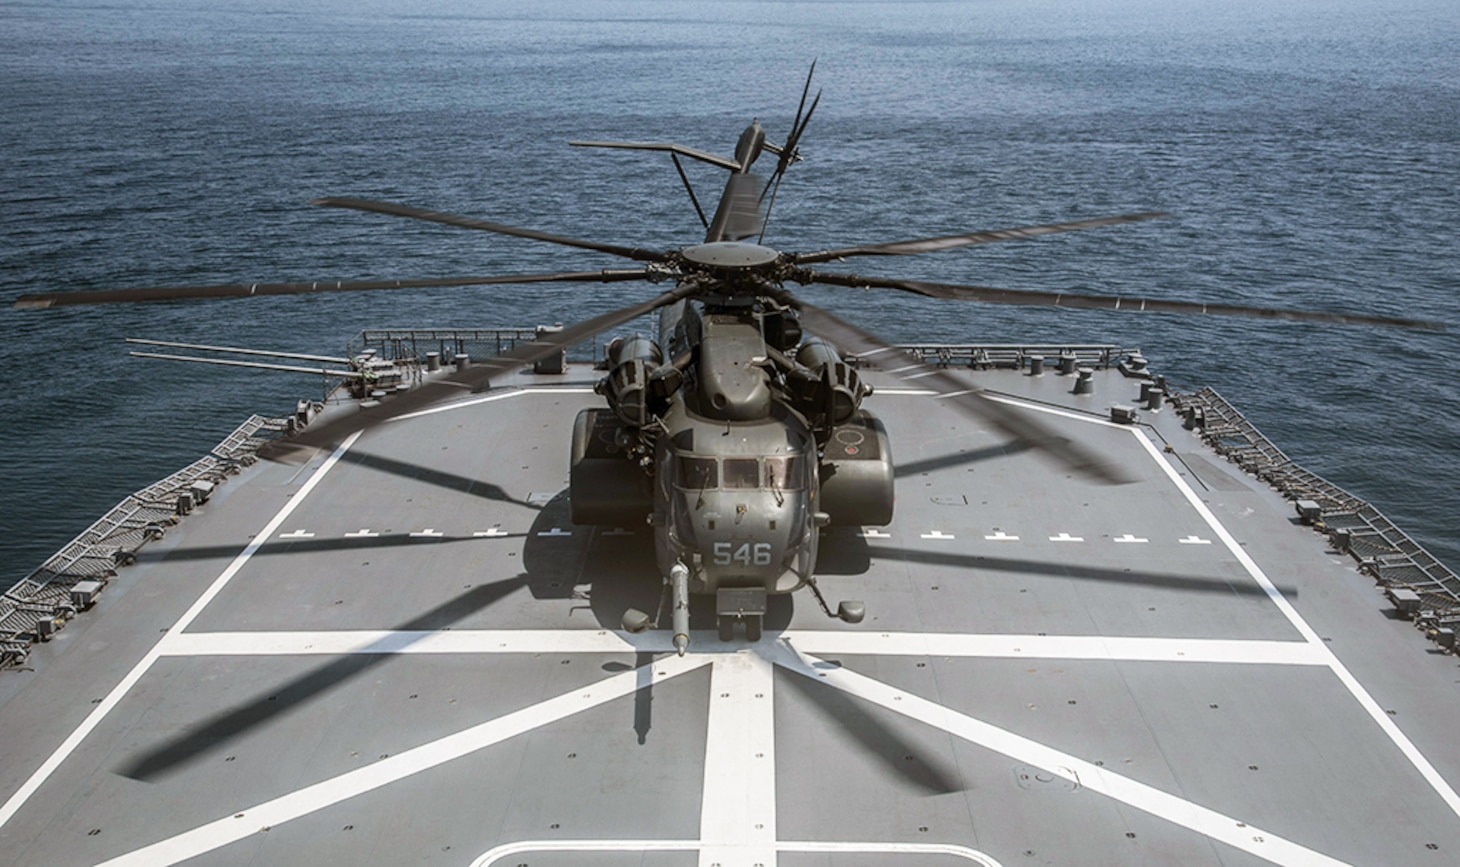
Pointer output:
1405, 745
247, 822
1161, 804
115, 696
999, 645
411, 641
738, 806
463, 404
521, 847
1112, 648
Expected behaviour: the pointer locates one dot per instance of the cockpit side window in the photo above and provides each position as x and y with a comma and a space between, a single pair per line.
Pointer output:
697, 473
742, 473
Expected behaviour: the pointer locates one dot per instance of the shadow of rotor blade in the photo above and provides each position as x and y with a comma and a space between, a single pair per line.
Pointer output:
1083, 573
945, 242
964, 396
234, 721
943, 462
463, 382
877, 739
277, 547
440, 478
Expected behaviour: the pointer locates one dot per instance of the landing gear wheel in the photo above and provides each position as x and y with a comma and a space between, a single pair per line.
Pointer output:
752, 628
727, 627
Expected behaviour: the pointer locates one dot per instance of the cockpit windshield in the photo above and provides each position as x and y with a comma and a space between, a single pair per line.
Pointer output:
784, 474
742, 473
781, 473
698, 473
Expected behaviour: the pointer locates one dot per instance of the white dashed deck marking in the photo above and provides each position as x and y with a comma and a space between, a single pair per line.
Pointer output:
938, 534
428, 533
1001, 536
297, 534
1131, 539
364, 533
1066, 537
1194, 540
874, 533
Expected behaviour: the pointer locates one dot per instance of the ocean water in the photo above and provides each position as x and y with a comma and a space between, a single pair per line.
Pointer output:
1309, 151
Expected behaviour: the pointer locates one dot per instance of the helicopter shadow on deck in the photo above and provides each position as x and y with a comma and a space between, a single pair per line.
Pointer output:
610, 570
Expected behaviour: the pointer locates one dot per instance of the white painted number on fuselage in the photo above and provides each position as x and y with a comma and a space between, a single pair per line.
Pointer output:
747, 554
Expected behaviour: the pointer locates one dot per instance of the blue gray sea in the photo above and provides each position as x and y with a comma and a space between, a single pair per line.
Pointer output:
1309, 151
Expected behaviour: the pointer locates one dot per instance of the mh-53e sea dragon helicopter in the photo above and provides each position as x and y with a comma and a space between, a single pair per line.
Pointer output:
736, 434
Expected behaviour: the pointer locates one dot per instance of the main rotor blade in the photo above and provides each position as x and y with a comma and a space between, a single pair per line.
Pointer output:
463, 382
1033, 297
965, 396
42, 300
399, 210
944, 242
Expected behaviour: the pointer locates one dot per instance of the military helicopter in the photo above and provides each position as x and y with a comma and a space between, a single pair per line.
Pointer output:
737, 434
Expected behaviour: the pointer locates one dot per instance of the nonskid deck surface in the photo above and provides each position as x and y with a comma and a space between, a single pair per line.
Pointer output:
403, 652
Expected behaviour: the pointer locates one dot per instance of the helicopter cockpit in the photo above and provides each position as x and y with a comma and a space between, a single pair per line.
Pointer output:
741, 521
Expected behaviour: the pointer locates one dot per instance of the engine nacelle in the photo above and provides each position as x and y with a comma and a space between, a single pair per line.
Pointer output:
631, 360
605, 486
837, 394
857, 473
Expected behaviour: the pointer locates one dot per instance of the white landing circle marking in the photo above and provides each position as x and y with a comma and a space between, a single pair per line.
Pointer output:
491, 857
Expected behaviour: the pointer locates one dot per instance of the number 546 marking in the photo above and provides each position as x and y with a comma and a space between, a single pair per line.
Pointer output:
747, 553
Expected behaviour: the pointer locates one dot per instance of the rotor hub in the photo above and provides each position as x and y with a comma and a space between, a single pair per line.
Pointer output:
730, 255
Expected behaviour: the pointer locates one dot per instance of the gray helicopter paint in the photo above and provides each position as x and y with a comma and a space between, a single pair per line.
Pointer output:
465, 698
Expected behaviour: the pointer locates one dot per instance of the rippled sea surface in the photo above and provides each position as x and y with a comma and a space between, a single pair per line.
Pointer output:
1308, 151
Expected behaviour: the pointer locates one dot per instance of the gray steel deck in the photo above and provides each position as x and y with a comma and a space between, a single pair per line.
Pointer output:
403, 653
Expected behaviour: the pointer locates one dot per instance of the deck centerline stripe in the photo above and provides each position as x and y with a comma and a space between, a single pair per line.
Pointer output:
738, 804
114, 697
1356, 689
